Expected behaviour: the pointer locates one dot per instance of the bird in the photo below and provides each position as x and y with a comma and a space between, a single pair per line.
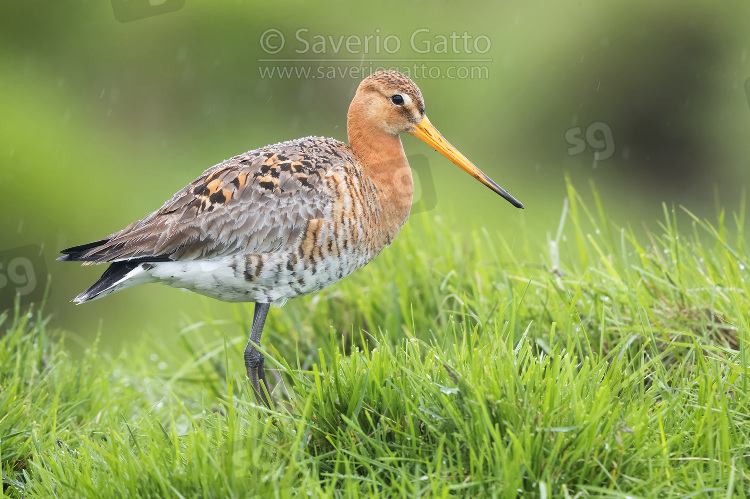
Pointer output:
285, 220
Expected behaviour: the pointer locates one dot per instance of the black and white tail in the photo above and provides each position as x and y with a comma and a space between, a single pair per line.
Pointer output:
120, 274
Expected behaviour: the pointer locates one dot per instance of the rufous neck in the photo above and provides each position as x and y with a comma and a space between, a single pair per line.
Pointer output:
383, 160
372, 144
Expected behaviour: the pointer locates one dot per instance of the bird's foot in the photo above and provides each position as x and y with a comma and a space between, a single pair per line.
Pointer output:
259, 382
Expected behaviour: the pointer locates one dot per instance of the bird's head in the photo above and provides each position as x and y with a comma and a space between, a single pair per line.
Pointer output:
389, 102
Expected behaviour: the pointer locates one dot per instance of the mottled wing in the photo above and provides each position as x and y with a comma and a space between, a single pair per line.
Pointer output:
258, 202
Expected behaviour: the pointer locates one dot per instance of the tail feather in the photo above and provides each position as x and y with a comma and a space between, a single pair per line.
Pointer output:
114, 279
119, 275
78, 253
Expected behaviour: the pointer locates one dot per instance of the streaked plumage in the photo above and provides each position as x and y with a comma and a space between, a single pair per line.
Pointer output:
285, 220
265, 226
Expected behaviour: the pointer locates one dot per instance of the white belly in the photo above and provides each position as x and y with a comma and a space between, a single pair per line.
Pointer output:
279, 279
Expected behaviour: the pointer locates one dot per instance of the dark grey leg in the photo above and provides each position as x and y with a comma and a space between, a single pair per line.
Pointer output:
254, 360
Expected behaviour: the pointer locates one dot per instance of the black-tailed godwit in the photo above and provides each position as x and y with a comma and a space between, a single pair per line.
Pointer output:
285, 220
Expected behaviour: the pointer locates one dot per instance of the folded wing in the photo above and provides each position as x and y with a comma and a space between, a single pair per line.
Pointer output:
258, 202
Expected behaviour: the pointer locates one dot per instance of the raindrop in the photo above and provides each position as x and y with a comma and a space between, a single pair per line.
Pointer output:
448, 391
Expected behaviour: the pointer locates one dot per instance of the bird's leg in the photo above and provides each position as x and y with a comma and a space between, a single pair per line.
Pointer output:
254, 360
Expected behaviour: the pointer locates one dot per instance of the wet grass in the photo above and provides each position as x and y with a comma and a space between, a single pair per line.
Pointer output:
600, 362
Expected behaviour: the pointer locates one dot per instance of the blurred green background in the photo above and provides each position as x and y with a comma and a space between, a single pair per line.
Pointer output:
102, 120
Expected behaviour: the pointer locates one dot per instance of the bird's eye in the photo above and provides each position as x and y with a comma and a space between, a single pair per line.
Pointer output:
397, 99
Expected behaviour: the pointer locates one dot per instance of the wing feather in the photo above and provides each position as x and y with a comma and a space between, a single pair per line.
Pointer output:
258, 202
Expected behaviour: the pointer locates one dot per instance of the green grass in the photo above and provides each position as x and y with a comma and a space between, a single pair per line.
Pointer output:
602, 362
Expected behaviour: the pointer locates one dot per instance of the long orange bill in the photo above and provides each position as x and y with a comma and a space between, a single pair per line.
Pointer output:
429, 134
